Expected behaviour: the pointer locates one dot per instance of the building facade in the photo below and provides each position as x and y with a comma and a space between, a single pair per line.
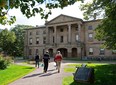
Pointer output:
72, 36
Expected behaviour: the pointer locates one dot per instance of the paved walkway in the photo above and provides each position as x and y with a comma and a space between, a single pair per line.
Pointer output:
37, 77
52, 77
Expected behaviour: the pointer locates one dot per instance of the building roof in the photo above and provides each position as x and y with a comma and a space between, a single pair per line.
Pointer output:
37, 27
93, 20
61, 20
62, 15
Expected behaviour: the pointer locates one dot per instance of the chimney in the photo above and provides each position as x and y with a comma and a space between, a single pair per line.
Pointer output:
37, 26
46, 21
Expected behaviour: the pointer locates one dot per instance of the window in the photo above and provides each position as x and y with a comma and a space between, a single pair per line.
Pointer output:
90, 28
76, 28
61, 39
53, 30
44, 32
30, 33
90, 51
61, 30
113, 51
90, 36
36, 51
44, 40
77, 37
53, 39
30, 52
30, 41
102, 51
37, 32
37, 40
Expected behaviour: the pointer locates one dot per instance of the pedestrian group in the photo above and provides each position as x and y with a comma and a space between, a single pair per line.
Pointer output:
46, 60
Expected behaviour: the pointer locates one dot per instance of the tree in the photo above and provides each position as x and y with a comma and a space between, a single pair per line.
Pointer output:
106, 31
30, 7
7, 39
0, 30
19, 42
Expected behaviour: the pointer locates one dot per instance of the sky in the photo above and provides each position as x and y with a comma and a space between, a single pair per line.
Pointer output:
72, 10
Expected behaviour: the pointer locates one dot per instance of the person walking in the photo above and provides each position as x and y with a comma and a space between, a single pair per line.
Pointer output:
37, 60
58, 59
46, 59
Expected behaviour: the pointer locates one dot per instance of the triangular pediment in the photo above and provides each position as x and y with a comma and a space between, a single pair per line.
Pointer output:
63, 19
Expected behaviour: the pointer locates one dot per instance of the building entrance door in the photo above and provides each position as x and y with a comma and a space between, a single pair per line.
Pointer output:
74, 52
63, 51
51, 52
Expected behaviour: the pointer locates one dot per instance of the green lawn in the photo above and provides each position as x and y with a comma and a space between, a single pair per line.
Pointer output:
105, 74
13, 72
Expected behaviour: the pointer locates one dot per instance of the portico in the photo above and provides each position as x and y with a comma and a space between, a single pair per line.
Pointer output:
62, 36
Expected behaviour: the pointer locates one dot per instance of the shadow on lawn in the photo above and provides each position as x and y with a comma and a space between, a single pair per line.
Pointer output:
104, 75
29, 68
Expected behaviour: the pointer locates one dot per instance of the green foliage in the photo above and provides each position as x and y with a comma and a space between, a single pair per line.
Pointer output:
30, 8
3, 64
107, 33
18, 45
4, 20
103, 8
12, 41
105, 74
4, 61
107, 29
92, 9
7, 39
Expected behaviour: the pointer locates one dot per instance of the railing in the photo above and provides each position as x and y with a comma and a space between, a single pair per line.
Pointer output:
77, 44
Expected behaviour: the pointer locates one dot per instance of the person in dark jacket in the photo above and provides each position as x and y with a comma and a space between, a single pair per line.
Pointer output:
46, 59
37, 60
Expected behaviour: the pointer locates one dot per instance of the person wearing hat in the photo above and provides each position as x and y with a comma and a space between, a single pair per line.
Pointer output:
58, 59
46, 59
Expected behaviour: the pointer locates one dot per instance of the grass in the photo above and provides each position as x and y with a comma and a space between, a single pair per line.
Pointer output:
105, 74
13, 72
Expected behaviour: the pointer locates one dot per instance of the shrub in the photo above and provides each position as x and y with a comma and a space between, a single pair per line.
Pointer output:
4, 61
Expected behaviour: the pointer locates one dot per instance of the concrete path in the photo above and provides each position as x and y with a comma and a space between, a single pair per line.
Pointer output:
52, 77
37, 77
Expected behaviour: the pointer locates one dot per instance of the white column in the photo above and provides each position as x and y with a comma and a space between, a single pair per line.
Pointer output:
54, 51
47, 33
69, 33
69, 52
79, 52
55, 34
79, 31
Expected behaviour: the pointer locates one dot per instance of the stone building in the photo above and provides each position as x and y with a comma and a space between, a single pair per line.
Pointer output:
72, 36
